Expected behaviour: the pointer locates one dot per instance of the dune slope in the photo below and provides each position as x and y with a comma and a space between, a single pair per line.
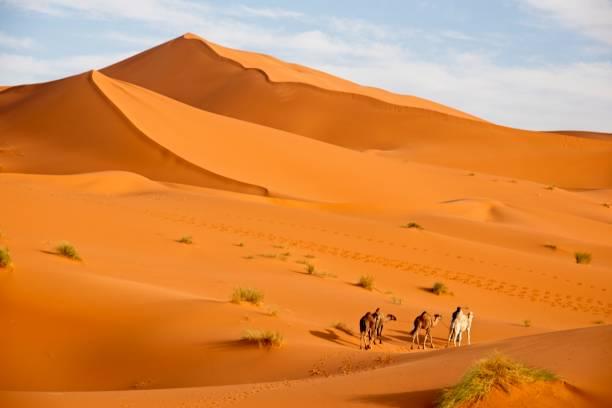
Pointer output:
78, 129
242, 85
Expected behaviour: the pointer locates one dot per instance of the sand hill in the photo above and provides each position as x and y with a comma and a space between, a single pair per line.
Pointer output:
270, 92
124, 162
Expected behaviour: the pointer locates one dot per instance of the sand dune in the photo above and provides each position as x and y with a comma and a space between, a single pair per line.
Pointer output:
424, 134
265, 166
77, 129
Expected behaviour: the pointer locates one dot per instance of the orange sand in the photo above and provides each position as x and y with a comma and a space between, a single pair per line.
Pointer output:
124, 162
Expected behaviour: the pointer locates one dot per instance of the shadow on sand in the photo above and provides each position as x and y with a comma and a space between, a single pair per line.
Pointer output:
425, 399
330, 335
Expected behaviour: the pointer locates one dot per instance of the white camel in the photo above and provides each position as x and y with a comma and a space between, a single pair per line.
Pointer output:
461, 323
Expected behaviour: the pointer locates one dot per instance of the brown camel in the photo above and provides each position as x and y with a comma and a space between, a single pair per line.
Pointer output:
379, 323
426, 322
366, 329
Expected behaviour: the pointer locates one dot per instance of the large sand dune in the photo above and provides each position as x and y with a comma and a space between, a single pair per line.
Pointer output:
263, 90
257, 160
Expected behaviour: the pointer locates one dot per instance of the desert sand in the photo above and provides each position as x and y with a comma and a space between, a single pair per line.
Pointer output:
270, 166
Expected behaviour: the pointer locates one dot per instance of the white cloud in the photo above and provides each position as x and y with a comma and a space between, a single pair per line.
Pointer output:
10, 41
592, 18
18, 69
274, 13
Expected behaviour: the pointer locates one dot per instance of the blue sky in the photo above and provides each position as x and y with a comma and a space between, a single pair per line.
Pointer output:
537, 64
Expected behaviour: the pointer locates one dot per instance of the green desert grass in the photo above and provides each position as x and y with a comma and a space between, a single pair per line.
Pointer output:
68, 250
5, 257
249, 295
263, 338
343, 327
582, 257
366, 282
496, 371
439, 288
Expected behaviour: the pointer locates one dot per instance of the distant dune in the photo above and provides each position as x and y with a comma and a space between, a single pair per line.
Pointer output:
326, 108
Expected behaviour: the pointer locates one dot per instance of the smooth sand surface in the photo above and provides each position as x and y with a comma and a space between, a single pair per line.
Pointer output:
123, 170
216, 80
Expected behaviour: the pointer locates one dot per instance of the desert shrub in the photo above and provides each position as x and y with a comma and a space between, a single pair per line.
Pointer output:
263, 338
396, 300
309, 256
497, 371
249, 295
67, 250
527, 323
366, 282
439, 288
550, 246
5, 258
582, 257
413, 225
239, 244
607, 205
310, 269
187, 239
343, 327
550, 187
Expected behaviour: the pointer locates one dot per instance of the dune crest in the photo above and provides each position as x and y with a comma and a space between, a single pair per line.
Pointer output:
213, 78
79, 129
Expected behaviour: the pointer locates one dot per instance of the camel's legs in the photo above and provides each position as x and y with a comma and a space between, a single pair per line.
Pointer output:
460, 337
431, 340
450, 336
468, 334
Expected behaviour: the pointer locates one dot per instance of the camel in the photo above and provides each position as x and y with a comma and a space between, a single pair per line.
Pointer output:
461, 323
366, 329
379, 323
426, 322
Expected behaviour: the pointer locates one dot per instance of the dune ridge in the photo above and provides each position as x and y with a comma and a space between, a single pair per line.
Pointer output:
189, 70
79, 129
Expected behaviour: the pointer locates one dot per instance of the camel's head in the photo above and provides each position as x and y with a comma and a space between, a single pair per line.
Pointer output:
391, 317
437, 318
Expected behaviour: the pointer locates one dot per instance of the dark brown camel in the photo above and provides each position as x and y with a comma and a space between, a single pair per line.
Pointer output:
424, 322
366, 329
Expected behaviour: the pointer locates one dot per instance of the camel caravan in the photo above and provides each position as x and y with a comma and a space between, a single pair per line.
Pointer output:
372, 323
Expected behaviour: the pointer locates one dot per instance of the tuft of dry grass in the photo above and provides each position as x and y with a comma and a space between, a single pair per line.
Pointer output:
67, 250
552, 247
187, 239
582, 257
496, 371
263, 338
526, 323
343, 327
413, 225
5, 258
439, 288
310, 269
366, 282
249, 295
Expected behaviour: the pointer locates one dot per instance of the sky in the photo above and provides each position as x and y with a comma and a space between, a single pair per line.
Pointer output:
534, 64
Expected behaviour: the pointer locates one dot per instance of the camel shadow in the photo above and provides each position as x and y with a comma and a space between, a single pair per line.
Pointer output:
329, 335
424, 398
